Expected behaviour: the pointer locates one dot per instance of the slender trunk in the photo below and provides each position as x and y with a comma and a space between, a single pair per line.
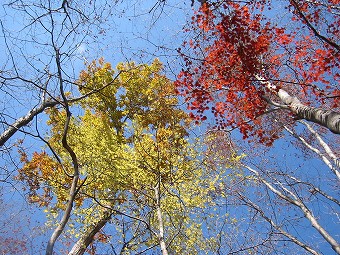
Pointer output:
327, 149
317, 151
160, 221
72, 194
75, 178
86, 239
59, 229
80, 247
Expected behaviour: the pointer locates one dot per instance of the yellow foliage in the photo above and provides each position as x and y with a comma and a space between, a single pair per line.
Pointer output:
129, 137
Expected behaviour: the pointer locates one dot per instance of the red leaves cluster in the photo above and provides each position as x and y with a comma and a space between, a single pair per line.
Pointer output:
236, 41
223, 80
11, 245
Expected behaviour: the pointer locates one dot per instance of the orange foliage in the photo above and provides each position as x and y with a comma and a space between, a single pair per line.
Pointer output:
37, 173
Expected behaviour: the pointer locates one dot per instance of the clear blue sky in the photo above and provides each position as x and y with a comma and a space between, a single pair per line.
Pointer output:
142, 33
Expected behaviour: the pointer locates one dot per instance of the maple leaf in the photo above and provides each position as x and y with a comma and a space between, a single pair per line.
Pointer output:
252, 67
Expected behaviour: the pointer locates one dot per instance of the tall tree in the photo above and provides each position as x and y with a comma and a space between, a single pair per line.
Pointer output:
244, 65
281, 202
42, 50
136, 165
243, 207
267, 67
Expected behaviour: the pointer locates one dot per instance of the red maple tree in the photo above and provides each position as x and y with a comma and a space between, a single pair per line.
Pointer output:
254, 62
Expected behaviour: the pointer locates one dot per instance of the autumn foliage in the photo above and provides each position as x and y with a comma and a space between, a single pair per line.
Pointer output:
294, 47
131, 139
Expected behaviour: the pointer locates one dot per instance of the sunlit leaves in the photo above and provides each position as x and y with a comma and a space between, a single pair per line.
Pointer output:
130, 136
235, 41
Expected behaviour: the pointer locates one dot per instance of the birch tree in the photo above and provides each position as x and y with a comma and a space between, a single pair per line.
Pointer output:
247, 64
270, 70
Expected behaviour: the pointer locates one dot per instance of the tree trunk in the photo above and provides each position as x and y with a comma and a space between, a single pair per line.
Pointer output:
327, 118
160, 221
80, 247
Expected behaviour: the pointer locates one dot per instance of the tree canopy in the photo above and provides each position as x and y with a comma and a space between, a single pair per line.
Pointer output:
246, 67
216, 133
135, 162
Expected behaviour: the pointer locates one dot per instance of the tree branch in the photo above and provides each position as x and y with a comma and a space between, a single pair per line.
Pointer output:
327, 118
308, 214
272, 223
23, 121
315, 150
316, 33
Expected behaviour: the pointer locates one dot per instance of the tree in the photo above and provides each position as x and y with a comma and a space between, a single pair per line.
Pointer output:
53, 28
245, 66
137, 169
233, 210
44, 50
280, 202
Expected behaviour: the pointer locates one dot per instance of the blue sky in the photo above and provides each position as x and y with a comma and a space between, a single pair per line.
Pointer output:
140, 34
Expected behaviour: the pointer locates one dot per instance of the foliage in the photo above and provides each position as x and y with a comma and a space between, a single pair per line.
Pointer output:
238, 42
138, 157
130, 139
256, 66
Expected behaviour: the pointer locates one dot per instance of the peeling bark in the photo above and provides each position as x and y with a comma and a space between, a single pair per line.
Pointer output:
327, 118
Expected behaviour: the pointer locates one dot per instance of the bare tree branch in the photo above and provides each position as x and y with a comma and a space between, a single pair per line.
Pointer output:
297, 202
317, 151
316, 33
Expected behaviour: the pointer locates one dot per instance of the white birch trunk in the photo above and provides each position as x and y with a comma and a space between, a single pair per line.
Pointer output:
327, 118
317, 151
160, 222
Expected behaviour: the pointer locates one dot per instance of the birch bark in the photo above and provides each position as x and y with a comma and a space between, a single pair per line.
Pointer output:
327, 118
